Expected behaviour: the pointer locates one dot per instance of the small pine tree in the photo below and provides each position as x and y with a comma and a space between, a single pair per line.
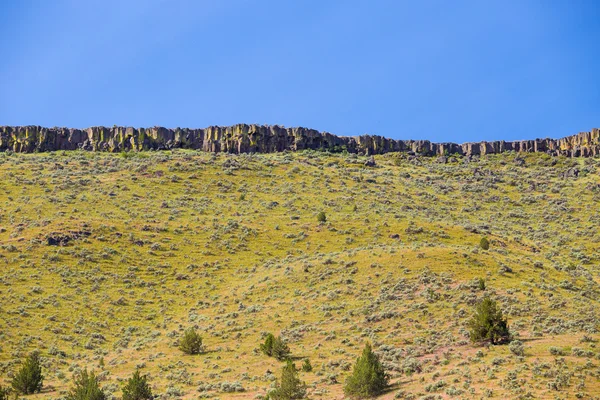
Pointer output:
488, 323
267, 346
368, 377
86, 387
191, 343
481, 284
484, 243
307, 366
290, 387
137, 388
4, 393
29, 379
321, 217
280, 351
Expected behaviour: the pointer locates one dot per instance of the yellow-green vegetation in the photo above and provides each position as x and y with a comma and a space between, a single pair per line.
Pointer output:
107, 260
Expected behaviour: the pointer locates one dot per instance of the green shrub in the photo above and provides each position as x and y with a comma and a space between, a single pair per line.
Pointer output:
321, 217
290, 387
191, 343
307, 366
137, 388
29, 378
488, 323
516, 347
86, 387
368, 377
484, 243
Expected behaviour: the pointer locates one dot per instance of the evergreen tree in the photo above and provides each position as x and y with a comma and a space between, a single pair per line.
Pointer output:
484, 243
191, 343
4, 392
368, 377
267, 346
29, 378
290, 387
86, 387
488, 323
137, 388
275, 347
281, 351
321, 217
307, 366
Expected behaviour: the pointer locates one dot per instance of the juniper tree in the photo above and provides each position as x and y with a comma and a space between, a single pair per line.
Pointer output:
488, 323
137, 388
191, 343
368, 377
484, 243
321, 217
29, 378
275, 347
307, 366
280, 351
86, 387
4, 392
290, 387
267, 346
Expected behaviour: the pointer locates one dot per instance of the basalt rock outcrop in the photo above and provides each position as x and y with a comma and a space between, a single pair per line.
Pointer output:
244, 138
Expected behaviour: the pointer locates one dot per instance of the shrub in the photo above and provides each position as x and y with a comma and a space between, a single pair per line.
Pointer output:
516, 347
137, 388
290, 387
29, 378
191, 343
86, 387
484, 243
368, 377
307, 366
321, 217
488, 323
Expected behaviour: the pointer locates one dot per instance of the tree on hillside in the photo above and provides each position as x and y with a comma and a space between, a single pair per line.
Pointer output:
4, 392
29, 378
137, 388
267, 346
191, 343
368, 377
488, 323
275, 347
484, 243
290, 387
86, 387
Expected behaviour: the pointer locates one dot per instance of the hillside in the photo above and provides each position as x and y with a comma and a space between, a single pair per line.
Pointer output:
108, 258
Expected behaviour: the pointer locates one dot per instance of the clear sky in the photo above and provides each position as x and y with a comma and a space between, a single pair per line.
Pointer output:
439, 70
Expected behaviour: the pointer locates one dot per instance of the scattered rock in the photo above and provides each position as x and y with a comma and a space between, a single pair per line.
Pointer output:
63, 238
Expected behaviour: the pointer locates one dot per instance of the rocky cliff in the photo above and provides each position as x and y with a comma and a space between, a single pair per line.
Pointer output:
244, 138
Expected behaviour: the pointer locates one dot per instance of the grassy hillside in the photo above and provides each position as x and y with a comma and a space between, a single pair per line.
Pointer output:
106, 260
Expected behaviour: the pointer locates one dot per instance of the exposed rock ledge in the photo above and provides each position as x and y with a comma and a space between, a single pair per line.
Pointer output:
244, 138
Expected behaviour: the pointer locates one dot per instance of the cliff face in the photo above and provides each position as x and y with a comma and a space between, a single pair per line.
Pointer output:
244, 138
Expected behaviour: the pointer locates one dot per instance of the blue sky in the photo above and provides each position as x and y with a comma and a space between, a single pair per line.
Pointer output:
439, 70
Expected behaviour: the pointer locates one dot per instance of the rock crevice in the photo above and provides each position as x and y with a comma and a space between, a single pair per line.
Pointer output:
244, 138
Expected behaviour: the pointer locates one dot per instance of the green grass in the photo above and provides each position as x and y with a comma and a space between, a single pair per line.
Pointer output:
231, 245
